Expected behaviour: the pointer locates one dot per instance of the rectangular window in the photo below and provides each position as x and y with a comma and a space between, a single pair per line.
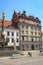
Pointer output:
31, 28
35, 33
8, 33
17, 40
22, 38
7, 39
38, 33
32, 39
26, 32
32, 33
22, 32
12, 39
12, 33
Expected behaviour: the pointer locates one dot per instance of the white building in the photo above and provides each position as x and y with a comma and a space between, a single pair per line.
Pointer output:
13, 36
10, 33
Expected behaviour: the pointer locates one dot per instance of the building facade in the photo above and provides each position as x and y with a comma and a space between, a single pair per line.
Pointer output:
11, 34
29, 31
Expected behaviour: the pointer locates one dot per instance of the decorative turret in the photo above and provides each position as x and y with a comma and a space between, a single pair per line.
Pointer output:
23, 15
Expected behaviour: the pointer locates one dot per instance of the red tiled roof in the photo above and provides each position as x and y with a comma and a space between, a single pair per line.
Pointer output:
17, 17
7, 24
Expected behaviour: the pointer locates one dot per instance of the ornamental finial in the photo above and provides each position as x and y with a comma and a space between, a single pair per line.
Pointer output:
3, 15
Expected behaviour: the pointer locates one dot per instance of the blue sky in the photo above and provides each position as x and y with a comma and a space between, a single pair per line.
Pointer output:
32, 7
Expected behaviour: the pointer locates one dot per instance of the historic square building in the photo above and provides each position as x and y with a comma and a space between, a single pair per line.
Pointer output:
22, 32
29, 31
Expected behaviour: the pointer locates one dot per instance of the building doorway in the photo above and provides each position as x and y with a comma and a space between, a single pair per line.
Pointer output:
32, 47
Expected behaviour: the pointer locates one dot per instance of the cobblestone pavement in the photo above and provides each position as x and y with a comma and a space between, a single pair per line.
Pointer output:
22, 61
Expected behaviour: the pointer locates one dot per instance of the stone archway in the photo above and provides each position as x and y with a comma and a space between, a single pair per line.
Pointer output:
32, 47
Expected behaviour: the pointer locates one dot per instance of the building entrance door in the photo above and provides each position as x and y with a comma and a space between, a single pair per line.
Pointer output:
32, 47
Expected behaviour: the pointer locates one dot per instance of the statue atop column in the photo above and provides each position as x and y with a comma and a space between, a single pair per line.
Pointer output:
2, 32
2, 38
